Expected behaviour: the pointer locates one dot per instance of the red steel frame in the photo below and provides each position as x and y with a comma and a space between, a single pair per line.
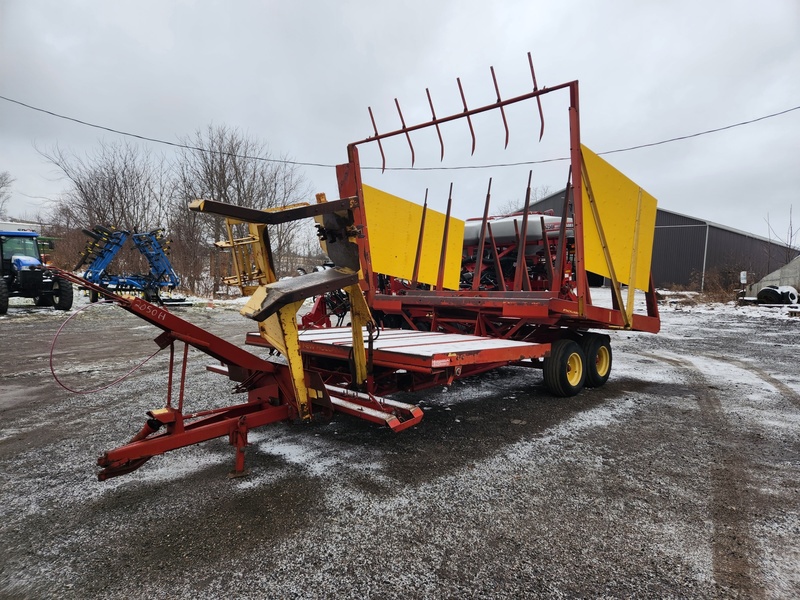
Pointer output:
268, 385
517, 314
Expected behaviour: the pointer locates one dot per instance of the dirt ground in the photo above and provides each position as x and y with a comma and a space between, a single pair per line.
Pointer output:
679, 478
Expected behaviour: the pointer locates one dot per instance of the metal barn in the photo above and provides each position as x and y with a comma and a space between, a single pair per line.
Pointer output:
691, 252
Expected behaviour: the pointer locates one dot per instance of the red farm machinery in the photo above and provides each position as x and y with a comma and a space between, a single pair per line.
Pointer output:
431, 298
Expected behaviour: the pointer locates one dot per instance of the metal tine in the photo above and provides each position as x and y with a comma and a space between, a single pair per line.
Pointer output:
445, 234
418, 256
435, 120
466, 109
547, 254
499, 100
521, 277
558, 271
538, 98
438, 131
476, 278
403, 123
497, 266
380, 146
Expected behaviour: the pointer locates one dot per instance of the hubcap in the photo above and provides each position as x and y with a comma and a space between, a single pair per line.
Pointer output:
574, 369
602, 361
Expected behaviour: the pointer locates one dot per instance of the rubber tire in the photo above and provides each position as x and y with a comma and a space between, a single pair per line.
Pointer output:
597, 350
3, 296
62, 294
94, 296
565, 369
769, 295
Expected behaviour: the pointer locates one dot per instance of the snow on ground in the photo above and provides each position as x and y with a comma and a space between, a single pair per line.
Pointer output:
502, 492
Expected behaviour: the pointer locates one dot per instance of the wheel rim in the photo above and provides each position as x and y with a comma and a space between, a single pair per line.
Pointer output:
602, 361
574, 369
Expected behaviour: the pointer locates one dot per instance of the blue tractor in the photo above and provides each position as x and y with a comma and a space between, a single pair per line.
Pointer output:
24, 272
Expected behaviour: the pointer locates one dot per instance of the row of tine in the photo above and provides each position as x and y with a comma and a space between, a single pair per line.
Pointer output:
99, 236
467, 113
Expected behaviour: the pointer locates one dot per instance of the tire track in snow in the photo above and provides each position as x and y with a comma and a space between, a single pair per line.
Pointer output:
787, 392
732, 544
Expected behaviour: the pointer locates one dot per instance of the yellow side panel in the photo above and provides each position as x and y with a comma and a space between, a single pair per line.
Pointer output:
394, 226
616, 198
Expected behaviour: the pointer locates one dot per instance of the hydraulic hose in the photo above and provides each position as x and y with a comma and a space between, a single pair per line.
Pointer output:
113, 383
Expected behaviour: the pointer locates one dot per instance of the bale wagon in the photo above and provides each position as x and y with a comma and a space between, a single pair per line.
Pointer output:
431, 298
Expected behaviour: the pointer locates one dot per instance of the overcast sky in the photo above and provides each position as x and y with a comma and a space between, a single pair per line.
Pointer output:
299, 76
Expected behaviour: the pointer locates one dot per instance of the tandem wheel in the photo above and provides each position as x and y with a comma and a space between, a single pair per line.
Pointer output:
565, 369
597, 350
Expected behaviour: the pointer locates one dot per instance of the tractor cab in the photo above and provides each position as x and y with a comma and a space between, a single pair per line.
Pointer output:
21, 257
24, 275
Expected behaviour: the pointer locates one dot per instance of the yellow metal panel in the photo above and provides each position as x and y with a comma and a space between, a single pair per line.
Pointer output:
360, 316
629, 240
280, 330
394, 226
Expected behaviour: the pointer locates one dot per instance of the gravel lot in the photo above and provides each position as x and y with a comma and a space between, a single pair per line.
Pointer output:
679, 478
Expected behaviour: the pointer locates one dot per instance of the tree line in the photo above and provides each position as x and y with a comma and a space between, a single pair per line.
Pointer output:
124, 186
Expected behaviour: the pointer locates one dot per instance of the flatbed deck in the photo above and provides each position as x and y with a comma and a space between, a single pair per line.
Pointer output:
420, 351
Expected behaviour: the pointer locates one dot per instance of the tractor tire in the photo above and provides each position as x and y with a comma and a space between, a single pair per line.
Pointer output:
597, 350
565, 369
770, 295
62, 294
3, 296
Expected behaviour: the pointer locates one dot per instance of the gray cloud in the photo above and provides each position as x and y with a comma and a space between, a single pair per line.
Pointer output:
300, 75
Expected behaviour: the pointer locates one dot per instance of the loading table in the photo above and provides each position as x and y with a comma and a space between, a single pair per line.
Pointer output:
421, 351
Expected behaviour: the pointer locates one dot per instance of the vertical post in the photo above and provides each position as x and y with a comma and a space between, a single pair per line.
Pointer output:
418, 257
183, 376
360, 317
262, 252
616, 287
280, 330
171, 369
558, 266
476, 279
212, 268
547, 256
521, 278
238, 438
705, 255
634, 256
497, 266
443, 258
238, 264
651, 300
577, 194
349, 178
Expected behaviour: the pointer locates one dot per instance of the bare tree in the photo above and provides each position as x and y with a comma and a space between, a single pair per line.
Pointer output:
5, 191
119, 185
514, 206
789, 241
190, 248
227, 166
